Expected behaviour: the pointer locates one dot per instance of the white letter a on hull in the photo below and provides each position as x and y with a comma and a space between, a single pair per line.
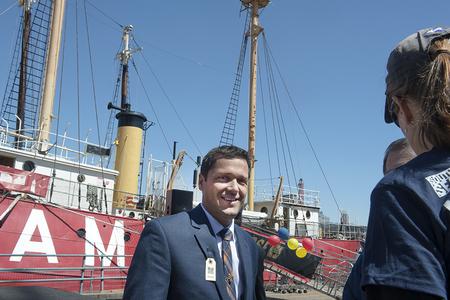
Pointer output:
25, 244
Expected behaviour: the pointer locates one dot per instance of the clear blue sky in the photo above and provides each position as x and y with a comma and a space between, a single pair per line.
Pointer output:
331, 54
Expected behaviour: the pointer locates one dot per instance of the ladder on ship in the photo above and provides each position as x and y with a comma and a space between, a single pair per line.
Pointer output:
229, 127
37, 52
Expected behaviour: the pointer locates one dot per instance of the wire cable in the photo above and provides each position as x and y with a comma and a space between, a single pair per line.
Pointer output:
78, 103
170, 102
95, 104
9, 8
305, 132
266, 134
151, 106
61, 76
278, 103
104, 14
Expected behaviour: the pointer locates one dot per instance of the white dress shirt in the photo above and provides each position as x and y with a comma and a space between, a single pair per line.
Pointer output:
217, 227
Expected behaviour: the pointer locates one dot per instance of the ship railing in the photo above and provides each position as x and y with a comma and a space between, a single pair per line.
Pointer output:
318, 229
156, 185
85, 275
331, 273
290, 195
334, 268
333, 265
331, 251
342, 231
92, 197
72, 149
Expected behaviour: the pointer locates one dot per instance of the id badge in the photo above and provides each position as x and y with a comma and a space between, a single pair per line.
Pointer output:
210, 269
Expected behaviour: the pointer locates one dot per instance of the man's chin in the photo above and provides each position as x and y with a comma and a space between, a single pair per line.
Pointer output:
231, 212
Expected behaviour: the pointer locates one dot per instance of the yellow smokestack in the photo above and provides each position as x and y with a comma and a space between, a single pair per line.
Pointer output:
128, 154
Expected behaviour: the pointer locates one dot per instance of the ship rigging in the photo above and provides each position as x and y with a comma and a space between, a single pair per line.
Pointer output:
80, 221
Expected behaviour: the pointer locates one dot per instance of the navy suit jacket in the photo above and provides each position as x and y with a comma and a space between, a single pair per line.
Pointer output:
169, 261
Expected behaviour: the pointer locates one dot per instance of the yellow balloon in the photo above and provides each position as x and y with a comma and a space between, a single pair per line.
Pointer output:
292, 243
301, 252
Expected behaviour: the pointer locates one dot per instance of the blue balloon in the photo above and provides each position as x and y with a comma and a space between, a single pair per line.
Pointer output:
283, 233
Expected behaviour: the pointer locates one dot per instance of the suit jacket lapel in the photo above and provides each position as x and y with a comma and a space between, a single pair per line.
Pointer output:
245, 264
207, 242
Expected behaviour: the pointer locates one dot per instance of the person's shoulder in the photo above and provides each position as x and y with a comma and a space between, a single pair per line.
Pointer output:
421, 166
418, 174
242, 232
246, 236
171, 220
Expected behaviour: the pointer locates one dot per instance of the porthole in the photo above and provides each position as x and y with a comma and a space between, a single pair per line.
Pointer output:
29, 166
81, 232
308, 214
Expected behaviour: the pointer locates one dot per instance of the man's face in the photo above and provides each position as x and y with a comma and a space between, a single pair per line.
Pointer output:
224, 189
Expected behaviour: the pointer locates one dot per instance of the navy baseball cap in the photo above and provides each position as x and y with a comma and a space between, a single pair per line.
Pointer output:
406, 63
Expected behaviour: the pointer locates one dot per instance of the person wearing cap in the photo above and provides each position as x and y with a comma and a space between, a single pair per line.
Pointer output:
398, 153
407, 252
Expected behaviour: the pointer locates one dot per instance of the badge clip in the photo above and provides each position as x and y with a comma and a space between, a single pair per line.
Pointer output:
210, 269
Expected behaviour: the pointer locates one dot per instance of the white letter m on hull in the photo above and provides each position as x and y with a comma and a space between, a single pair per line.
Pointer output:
94, 241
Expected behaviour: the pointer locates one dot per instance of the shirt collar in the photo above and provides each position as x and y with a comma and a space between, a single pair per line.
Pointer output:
216, 226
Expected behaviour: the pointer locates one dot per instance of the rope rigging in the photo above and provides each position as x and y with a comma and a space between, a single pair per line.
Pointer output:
266, 135
105, 15
303, 129
95, 104
111, 118
229, 126
277, 111
147, 97
80, 176
279, 114
282, 145
169, 101
14, 3
154, 111
58, 114
78, 104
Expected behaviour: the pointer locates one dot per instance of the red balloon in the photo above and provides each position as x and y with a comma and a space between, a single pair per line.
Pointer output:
274, 240
308, 244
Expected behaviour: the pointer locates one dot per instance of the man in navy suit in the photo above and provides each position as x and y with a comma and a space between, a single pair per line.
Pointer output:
202, 254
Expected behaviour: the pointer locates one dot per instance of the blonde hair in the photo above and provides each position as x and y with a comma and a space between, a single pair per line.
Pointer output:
433, 93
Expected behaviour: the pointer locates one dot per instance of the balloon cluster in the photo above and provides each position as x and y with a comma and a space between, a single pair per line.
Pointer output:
301, 248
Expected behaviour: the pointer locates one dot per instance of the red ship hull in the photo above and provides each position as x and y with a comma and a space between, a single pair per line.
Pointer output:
85, 252
67, 249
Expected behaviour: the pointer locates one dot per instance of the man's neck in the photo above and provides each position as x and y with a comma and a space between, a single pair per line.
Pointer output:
214, 222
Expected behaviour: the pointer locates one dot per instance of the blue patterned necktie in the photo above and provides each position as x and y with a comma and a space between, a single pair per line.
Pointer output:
227, 236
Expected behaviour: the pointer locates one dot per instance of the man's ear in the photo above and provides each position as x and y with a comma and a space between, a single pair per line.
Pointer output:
201, 180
